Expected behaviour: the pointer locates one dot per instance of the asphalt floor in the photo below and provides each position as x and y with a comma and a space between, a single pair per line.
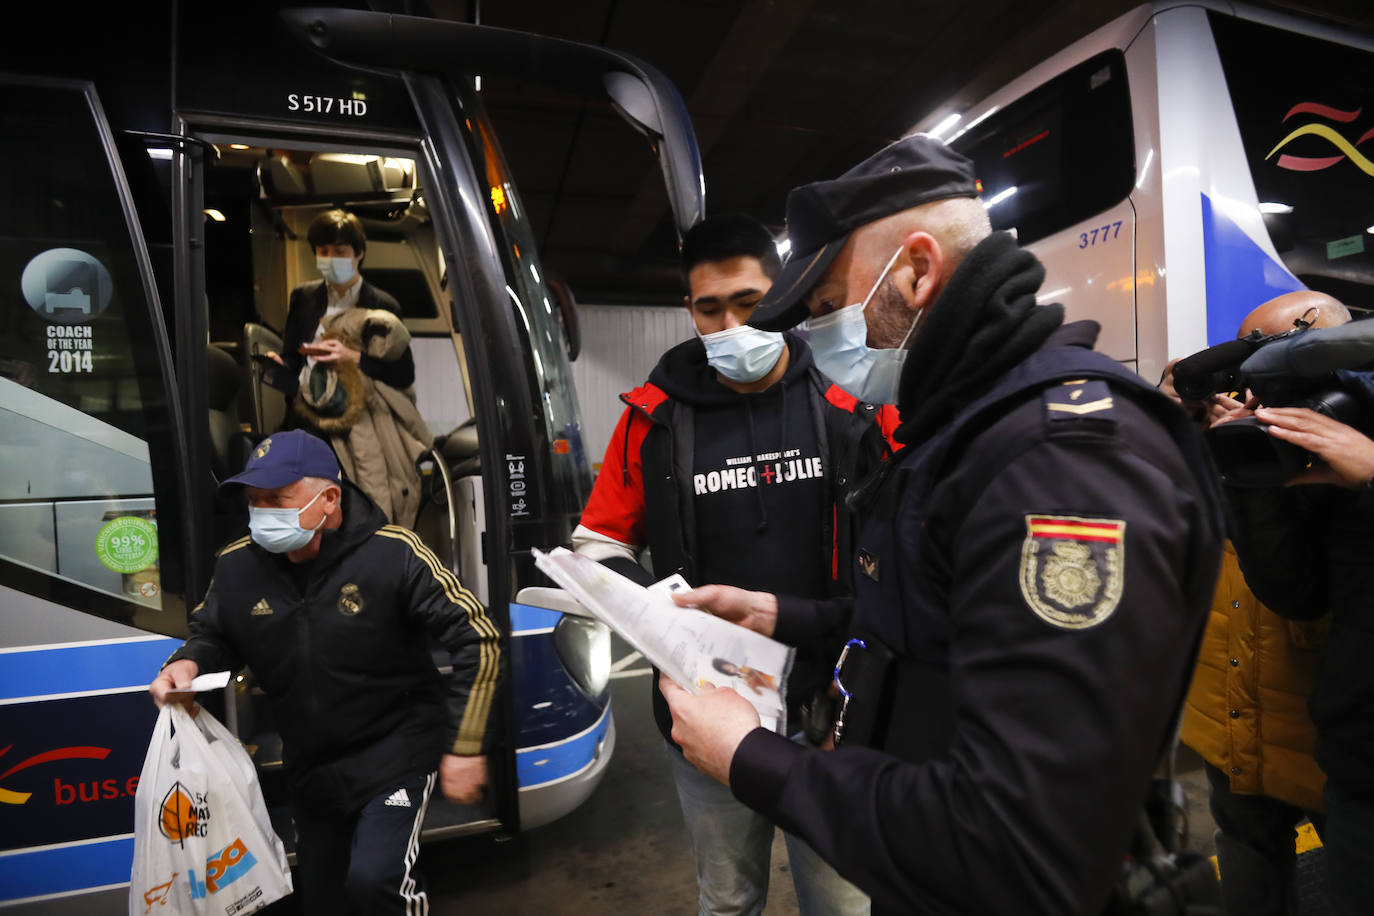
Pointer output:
625, 850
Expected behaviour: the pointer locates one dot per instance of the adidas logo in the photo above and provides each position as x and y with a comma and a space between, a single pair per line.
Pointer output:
261, 609
399, 798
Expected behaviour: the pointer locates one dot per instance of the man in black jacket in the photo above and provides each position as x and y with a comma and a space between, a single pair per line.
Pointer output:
1307, 549
1032, 581
730, 466
330, 608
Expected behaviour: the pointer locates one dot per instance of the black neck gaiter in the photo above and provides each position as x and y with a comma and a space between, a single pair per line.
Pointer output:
984, 323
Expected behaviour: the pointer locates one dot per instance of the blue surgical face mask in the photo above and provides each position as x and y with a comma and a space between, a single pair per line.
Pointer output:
279, 530
743, 354
839, 343
336, 270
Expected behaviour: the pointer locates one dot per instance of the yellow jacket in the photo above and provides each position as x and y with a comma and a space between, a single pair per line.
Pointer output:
1246, 712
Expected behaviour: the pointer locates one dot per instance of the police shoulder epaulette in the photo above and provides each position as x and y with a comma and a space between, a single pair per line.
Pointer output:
1076, 400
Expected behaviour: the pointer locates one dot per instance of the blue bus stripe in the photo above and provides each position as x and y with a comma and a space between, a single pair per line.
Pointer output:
528, 617
1239, 276
69, 868
82, 669
537, 766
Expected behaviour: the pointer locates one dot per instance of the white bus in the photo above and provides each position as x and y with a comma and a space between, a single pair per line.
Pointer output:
1181, 165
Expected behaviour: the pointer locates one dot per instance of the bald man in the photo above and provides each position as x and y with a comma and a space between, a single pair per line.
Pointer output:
1307, 550
1246, 712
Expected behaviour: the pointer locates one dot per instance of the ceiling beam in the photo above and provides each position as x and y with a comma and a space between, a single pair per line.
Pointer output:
760, 32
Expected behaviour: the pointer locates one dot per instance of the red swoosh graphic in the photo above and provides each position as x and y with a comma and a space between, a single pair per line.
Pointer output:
1324, 111
61, 753
1307, 163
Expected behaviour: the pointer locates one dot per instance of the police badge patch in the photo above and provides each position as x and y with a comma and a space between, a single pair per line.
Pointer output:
1073, 569
350, 600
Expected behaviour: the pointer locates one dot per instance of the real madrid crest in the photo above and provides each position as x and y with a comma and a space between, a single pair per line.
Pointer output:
350, 600
1073, 569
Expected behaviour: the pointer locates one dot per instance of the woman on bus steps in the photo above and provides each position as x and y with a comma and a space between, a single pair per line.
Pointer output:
349, 352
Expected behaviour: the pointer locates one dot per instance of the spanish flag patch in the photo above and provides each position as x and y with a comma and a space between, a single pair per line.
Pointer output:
1073, 569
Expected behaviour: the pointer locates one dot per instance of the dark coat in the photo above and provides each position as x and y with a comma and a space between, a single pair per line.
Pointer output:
303, 313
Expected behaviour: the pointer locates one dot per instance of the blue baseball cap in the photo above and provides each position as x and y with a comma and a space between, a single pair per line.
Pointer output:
285, 458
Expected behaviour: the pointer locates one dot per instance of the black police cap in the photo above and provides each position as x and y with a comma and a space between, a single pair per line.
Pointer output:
822, 215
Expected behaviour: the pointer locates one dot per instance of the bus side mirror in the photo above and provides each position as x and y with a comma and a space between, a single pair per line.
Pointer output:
632, 101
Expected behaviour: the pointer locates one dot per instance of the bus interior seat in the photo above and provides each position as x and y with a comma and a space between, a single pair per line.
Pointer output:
228, 444
460, 449
269, 404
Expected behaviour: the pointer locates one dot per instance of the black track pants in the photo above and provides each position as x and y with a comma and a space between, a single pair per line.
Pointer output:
364, 863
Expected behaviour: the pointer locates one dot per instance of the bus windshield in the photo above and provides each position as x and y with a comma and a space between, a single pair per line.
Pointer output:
539, 317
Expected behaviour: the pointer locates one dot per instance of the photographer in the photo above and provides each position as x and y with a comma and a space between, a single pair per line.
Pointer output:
1306, 548
1246, 713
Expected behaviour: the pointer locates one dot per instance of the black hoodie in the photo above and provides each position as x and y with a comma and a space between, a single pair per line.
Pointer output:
705, 478
339, 646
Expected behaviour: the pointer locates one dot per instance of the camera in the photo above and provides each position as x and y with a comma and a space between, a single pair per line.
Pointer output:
1298, 368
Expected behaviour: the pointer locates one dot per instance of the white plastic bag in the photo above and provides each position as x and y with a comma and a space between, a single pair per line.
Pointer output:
203, 842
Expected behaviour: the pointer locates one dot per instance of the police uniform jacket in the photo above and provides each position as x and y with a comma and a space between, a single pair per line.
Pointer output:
339, 645
1031, 593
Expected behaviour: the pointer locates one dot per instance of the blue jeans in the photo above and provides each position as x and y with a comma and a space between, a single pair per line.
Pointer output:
1255, 849
732, 845
1349, 842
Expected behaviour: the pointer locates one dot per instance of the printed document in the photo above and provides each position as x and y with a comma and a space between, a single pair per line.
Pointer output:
693, 648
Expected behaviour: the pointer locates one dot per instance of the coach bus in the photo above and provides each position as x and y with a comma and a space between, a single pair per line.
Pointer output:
1180, 166
160, 166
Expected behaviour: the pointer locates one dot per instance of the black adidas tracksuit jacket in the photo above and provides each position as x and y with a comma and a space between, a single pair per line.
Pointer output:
339, 646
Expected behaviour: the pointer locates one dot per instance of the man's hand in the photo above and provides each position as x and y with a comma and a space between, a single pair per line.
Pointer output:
462, 779
331, 351
171, 682
757, 611
710, 726
1348, 454
272, 355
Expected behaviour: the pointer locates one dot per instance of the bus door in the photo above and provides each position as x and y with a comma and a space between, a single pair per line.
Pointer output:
261, 193
536, 472
94, 577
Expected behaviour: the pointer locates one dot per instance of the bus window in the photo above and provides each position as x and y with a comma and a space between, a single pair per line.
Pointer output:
1060, 154
81, 392
1305, 109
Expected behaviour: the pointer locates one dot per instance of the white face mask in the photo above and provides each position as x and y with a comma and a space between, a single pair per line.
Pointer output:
839, 343
743, 354
279, 530
336, 270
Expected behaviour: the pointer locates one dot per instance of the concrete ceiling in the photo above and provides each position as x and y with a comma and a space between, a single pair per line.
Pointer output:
781, 92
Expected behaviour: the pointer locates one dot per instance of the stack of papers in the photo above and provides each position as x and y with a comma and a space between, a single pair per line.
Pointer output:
691, 647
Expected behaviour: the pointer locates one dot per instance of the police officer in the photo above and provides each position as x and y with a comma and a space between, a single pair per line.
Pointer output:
1031, 585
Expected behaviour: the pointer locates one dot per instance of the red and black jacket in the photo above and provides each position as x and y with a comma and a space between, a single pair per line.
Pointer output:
643, 495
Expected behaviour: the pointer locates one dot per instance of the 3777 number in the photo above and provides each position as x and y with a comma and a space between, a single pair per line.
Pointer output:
1103, 233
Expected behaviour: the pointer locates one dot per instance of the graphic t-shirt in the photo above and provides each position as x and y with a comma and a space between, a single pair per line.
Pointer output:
760, 494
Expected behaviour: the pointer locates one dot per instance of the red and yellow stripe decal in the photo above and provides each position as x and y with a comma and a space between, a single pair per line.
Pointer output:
1105, 530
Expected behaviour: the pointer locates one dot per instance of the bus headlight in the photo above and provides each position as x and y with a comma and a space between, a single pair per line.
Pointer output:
584, 647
